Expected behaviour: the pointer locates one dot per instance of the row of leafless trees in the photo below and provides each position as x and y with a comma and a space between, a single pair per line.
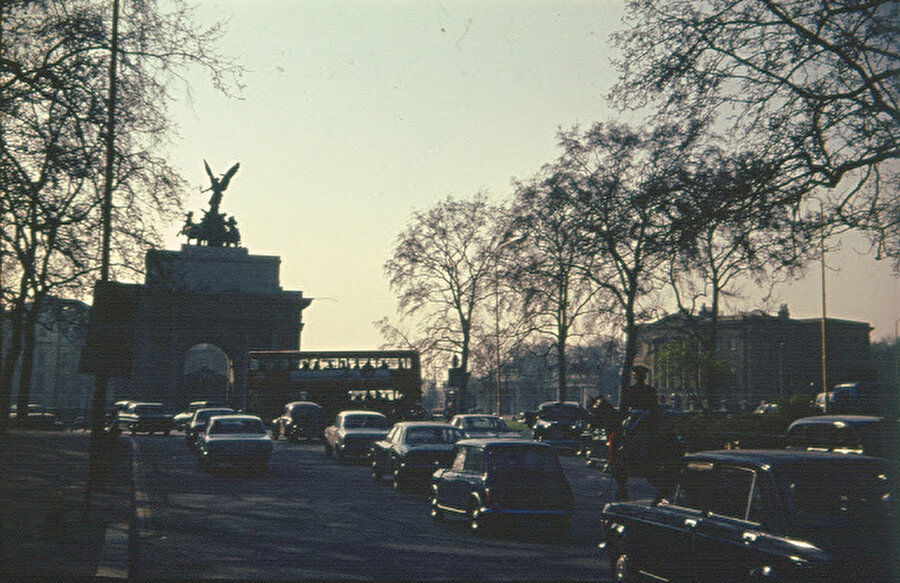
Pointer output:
758, 107
54, 63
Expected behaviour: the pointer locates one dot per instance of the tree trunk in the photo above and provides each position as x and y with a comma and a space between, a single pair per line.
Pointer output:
29, 337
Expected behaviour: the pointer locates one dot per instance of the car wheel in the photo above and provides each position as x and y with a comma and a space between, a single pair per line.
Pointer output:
477, 520
275, 432
328, 451
397, 481
436, 513
623, 569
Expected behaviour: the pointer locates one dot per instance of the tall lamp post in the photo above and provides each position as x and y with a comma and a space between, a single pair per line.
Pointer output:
506, 242
824, 358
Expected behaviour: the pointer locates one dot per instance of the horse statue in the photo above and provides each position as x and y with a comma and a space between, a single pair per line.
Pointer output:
192, 230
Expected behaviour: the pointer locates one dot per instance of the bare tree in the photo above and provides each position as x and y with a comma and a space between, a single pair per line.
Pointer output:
557, 294
53, 59
441, 269
815, 83
620, 182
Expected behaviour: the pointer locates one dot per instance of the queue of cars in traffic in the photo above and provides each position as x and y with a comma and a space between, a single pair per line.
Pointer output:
822, 508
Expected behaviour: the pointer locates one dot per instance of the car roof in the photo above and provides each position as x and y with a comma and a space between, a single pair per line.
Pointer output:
304, 404
423, 424
777, 458
222, 408
503, 442
470, 415
835, 419
237, 416
361, 412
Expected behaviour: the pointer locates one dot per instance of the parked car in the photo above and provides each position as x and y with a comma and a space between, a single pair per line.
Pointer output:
861, 434
479, 425
494, 479
235, 440
859, 398
300, 420
766, 408
413, 450
760, 515
37, 417
140, 417
353, 432
198, 423
561, 424
181, 420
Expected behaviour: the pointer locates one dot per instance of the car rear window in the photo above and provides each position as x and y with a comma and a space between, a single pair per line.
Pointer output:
248, 426
530, 459
360, 421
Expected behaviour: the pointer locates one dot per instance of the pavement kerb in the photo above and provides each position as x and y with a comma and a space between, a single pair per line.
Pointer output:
117, 557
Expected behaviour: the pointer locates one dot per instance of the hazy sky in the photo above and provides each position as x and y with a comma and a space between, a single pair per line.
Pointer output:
356, 114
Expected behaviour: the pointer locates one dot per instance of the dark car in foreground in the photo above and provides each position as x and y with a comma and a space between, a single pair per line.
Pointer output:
144, 417
477, 425
197, 424
300, 420
494, 480
561, 424
761, 515
860, 434
412, 451
235, 440
353, 432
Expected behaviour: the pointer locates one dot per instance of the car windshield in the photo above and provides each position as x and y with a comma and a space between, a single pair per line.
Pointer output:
563, 413
836, 495
484, 424
242, 426
416, 435
523, 459
203, 415
367, 421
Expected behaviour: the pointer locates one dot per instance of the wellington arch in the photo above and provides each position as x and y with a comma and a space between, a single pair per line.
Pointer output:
220, 296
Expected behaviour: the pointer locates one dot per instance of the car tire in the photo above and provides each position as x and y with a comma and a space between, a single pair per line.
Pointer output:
328, 451
436, 513
275, 432
397, 480
477, 519
623, 570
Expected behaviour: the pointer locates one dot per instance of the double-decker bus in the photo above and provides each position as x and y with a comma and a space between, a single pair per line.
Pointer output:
388, 381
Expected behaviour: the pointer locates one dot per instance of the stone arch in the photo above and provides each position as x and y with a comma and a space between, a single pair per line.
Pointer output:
207, 374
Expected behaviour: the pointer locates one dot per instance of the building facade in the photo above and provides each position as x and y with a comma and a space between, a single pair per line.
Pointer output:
767, 356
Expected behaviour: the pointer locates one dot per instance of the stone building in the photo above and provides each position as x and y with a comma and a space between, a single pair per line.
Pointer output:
768, 356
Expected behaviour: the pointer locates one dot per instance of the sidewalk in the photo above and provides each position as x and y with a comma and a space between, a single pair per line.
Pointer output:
46, 536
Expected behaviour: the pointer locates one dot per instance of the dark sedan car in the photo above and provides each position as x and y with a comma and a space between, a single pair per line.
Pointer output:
494, 479
413, 450
300, 420
861, 434
144, 417
561, 424
235, 440
761, 515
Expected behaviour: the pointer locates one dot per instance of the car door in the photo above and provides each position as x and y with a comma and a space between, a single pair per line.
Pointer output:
451, 486
727, 542
664, 533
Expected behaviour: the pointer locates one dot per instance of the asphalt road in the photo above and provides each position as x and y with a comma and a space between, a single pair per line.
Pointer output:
312, 518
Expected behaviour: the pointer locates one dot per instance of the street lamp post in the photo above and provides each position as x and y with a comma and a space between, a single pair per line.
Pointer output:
503, 244
824, 358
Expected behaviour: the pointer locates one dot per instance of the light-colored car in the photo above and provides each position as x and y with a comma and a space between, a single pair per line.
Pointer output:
144, 417
235, 440
477, 425
198, 422
353, 432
